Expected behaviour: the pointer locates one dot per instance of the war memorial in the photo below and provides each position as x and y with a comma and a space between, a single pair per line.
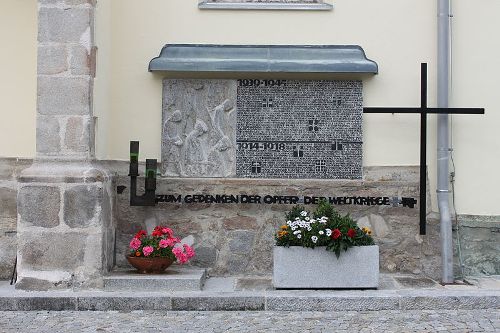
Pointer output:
146, 126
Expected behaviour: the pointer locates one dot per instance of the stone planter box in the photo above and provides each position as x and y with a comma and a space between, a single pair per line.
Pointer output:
298, 267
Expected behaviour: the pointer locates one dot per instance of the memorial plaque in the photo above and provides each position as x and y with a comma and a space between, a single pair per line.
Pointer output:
299, 129
253, 128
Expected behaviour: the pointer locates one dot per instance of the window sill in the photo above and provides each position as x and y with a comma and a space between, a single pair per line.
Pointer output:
265, 6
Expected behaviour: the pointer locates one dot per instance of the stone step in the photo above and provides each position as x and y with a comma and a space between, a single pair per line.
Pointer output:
175, 278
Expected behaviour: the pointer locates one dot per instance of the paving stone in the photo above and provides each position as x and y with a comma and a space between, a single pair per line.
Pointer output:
250, 321
296, 303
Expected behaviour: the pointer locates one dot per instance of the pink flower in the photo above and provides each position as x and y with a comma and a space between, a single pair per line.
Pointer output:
135, 243
147, 250
174, 241
180, 255
189, 251
168, 232
164, 243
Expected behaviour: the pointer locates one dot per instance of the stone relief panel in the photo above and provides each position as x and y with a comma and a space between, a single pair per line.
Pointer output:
199, 126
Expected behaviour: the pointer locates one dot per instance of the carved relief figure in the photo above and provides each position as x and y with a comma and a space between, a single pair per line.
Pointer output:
173, 143
217, 118
194, 154
220, 158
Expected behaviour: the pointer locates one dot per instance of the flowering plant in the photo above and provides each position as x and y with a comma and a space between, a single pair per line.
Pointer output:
161, 243
325, 227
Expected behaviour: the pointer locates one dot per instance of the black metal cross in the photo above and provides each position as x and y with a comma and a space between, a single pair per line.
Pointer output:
423, 110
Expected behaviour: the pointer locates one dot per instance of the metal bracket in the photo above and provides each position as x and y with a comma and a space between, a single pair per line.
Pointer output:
149, 196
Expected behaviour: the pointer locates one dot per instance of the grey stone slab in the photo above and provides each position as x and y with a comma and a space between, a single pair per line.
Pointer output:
304, 268
8, 247
219, 284
77, 135
124, 303
40, 284
315, 303
64, 96
218, 303
416, 282
46, 303
174, 279
445, 302
80, 60
48, 136
53, 251
253, 283
81, 204
39, 205
63, 25
8, 205
52, 59
205, 256
241, 241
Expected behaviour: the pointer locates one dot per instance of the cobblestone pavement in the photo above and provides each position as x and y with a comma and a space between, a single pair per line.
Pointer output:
248, 321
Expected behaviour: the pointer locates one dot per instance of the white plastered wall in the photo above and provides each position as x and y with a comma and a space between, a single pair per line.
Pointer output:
476, 82
18, 33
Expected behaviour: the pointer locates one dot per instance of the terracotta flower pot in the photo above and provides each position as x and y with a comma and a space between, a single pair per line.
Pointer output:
153, 265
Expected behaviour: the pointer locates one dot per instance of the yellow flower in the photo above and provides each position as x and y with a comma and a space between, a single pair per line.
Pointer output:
284, 227
282, 233
367, 230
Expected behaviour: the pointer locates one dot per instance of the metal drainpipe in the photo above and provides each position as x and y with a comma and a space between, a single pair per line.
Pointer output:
443, 149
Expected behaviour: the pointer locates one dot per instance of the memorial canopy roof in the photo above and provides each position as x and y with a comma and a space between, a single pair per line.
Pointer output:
193, 60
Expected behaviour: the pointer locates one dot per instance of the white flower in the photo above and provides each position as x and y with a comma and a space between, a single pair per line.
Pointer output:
309, 228
328, 232
299, 236
296, 232
314, 239
296, 219
321, 232
307, 218
303, 213
294, 228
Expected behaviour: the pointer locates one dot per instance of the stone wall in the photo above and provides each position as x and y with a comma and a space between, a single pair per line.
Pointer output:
10, 168
237, 239
479, 245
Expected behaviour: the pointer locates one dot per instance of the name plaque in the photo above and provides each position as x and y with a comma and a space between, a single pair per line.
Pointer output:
299, 129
